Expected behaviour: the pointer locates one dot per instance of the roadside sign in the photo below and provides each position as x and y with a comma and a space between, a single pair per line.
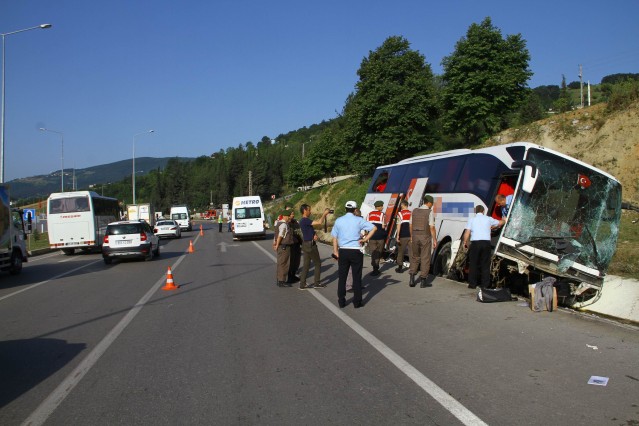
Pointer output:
25, 215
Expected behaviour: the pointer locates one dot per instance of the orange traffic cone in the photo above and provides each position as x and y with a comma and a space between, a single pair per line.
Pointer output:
201, 231
169, 281
191, 249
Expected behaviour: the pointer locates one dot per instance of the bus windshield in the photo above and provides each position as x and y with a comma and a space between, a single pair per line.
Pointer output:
572, 212
69, 205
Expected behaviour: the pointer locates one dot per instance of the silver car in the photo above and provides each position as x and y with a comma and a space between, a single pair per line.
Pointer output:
130, 239
167, 228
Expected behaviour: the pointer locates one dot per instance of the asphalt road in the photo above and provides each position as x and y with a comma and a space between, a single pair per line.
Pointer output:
85, 343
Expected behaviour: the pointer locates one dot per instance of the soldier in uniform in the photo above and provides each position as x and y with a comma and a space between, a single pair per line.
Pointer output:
423, 241
376, 243
403, 234
282, 245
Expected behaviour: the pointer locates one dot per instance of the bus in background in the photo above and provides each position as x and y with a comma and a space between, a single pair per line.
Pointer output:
78, 220
247, 216
562, 222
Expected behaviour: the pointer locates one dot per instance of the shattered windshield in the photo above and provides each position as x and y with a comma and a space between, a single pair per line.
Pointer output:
573, 212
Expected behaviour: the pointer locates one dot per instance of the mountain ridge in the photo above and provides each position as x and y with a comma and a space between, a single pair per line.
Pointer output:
40, 186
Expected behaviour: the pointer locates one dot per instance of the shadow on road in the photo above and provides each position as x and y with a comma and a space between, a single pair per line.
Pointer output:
25, 363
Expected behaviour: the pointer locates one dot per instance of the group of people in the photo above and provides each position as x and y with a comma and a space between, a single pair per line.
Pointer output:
291, 239
351, 232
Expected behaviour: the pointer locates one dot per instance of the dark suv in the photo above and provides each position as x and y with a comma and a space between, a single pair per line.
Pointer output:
130, 239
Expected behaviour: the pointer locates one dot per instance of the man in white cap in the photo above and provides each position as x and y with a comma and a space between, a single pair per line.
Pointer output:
347, 241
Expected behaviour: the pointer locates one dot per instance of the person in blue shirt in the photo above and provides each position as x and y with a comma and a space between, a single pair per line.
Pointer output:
347, 244
504, 201
478, 234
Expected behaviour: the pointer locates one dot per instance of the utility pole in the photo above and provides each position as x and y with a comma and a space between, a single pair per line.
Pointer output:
581, 86
250, 183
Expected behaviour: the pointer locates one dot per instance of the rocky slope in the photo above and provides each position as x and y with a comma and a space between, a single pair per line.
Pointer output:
609, 141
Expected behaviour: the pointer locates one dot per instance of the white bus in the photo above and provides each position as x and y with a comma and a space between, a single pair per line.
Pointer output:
562, 222
247, 218
78, 220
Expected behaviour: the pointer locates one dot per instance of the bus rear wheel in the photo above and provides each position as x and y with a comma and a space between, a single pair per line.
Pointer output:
68, 252
442, 260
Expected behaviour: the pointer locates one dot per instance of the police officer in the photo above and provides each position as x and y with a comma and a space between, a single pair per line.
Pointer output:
376, 242
423, 241
220, 221
403, 234
478, 234
282, 245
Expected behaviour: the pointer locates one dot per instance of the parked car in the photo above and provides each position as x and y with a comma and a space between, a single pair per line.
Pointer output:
130, 239
167, 228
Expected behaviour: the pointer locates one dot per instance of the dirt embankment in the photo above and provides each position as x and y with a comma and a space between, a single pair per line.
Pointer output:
609, 141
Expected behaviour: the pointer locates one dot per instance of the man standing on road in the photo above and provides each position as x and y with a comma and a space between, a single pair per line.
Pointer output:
403, 234
220, 221
478, 233
347, 242
423, 242
309, 247
376, 243
282, 245
296, 247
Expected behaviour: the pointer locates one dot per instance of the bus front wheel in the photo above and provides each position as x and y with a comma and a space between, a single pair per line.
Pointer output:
442, 260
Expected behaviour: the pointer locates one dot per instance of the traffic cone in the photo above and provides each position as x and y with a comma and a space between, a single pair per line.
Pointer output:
201, 231
191, 249
169, 281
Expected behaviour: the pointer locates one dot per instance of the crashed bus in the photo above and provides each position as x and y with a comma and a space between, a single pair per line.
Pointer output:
563, 219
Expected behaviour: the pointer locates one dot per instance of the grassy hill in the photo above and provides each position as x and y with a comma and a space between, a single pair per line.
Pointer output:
43, 185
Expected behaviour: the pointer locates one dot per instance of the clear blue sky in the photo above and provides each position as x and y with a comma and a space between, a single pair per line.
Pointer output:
210, 74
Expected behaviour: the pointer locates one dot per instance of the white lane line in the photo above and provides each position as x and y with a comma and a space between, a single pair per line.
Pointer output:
453, 406
49, 405
43, 256
46, 281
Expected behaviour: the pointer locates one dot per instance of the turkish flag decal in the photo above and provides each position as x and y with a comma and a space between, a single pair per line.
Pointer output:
583, 181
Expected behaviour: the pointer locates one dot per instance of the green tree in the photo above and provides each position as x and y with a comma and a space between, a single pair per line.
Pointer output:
390, 114
485, 79
564, 103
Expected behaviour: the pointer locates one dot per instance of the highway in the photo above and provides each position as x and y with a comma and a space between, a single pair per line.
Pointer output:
83, 343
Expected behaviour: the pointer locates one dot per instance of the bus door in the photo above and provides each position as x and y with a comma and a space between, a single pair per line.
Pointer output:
390, 217
415, 192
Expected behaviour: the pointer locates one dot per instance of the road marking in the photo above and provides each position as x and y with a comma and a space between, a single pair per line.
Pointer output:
46, 281
453, 406
49, 405
43, 256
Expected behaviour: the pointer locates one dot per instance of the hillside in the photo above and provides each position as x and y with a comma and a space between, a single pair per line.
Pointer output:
43, 185
609, 141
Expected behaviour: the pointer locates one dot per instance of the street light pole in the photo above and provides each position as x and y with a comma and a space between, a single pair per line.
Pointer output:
43, 26
134, 136
61, 156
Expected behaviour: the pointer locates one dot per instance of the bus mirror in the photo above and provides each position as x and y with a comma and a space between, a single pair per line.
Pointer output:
531, 173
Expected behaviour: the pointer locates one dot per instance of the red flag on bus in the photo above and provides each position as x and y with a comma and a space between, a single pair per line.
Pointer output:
583, 181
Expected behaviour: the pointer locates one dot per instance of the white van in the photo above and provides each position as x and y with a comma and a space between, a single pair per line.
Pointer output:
180, 214
247, 217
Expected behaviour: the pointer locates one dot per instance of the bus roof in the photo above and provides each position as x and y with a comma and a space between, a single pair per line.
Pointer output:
497, 150
92, 194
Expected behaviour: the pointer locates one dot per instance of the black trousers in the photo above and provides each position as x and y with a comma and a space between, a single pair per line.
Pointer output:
479, 255
296, 259
350, 258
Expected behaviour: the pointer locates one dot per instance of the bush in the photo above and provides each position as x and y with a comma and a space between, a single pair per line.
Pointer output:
623, 95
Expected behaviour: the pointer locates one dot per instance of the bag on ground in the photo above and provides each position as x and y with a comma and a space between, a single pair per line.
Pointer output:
489, 295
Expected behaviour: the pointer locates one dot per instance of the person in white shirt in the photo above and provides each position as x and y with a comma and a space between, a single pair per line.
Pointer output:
480, 251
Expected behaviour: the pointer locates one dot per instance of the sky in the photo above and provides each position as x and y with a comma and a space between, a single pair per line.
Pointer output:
207, 75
